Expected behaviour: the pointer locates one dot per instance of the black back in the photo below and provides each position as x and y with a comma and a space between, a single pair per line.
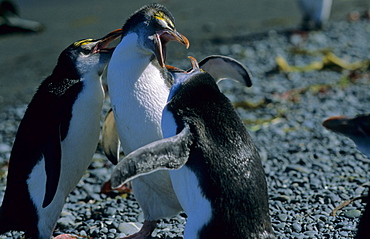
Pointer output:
225, 160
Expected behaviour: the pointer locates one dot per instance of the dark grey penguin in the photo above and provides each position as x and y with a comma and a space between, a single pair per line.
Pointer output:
215, 168
56, 139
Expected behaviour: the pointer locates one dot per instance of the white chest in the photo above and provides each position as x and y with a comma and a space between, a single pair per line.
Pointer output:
138, 95
198, 208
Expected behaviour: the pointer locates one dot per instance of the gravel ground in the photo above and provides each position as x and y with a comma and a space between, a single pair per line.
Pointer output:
309, 169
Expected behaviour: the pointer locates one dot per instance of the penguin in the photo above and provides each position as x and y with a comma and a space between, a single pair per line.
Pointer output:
139, 83
56, 139
316, 13
358, 130
214, 166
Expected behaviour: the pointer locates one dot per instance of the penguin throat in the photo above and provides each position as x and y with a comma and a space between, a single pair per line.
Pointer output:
129, 60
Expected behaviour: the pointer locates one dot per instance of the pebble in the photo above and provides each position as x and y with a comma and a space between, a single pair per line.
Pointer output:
283, 217
352, 213
297, 227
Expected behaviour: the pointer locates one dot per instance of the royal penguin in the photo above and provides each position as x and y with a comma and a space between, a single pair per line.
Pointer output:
56, 139
139, 83
214, 166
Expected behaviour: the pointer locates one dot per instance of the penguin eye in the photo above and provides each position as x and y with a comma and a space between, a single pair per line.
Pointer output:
85, 51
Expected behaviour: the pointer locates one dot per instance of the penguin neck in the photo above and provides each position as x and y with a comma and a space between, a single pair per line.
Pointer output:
131, 61
93, 88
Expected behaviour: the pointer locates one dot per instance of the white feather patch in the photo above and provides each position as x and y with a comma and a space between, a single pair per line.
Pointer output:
196, 206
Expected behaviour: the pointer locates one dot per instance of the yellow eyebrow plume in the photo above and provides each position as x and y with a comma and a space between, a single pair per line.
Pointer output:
82, 42
161, 16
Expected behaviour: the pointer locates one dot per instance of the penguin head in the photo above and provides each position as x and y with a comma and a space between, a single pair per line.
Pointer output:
86, 56
155, 27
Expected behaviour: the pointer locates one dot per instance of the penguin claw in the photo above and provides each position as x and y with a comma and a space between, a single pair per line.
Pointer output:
107, 187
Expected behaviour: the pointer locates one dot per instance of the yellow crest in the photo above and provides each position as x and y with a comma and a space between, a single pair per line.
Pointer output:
161, 16
82, 42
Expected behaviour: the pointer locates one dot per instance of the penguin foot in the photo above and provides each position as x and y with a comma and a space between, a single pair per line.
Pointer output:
145, 231
106, 188
65, 236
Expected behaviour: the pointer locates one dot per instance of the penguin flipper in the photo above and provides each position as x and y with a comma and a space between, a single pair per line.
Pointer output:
169, 153
110, 139
223, 67
52, 153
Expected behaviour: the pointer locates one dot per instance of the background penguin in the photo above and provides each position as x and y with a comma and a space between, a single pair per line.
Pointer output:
357, 129
56, 139
316, 13
216, 169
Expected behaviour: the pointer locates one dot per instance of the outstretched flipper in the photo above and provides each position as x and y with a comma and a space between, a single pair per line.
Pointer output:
169, 153
110, 139
223, 67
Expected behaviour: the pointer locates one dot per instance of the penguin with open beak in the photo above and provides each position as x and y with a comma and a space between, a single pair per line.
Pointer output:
56, 139
214, 166
139, 84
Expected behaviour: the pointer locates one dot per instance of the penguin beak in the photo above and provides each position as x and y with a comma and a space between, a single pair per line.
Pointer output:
102, 43
194, 64
161, 38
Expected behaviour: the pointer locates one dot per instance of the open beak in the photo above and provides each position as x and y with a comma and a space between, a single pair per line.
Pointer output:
162, 38
103, 42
